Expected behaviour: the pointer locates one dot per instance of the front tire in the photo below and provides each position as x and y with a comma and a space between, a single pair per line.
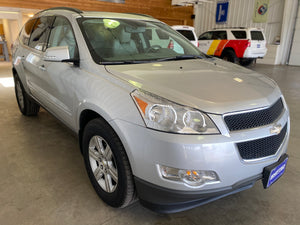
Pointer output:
107, 164
26, 105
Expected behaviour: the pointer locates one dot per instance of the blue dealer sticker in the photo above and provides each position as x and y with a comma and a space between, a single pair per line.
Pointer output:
277, 172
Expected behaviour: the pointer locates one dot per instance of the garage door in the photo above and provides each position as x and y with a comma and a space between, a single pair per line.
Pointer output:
295, 51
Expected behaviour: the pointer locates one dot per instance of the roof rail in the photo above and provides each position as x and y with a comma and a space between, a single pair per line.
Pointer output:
62, 8
140, 14
229, 28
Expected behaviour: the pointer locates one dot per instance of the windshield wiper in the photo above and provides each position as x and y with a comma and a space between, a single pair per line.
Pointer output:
181, 57
124, 62
178, 57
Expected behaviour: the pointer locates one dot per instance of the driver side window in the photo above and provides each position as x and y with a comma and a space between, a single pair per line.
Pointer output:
62, 35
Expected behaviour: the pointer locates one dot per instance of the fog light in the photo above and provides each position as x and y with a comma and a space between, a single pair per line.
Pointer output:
190, 177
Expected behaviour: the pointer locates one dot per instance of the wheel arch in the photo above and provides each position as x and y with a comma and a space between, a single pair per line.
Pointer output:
21, 78
226, 49
86, 116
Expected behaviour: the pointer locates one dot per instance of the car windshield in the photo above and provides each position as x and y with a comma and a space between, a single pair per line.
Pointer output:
120, 41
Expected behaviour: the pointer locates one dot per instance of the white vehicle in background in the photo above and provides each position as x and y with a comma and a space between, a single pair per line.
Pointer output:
188, 32
242, 45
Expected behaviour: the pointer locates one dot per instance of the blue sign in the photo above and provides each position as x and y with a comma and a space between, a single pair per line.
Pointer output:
277, 172
222, 12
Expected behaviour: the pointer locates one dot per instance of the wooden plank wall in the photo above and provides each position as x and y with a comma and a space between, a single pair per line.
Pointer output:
160, 9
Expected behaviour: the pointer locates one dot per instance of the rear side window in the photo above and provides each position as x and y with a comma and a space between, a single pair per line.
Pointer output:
188, 34
162, 35
205, 36
220, 35
25, 33
257, 35
40, 32
148, 34
239, 34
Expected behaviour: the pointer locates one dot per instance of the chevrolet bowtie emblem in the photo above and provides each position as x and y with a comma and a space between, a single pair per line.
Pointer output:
276, 129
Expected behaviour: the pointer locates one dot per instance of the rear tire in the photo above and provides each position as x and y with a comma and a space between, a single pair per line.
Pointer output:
229, 55
26, 105
246, 62
107, 164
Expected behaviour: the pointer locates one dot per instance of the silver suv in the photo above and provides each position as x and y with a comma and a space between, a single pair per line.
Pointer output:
162, 122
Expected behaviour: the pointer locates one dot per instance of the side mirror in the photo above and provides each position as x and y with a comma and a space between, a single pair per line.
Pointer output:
57, 54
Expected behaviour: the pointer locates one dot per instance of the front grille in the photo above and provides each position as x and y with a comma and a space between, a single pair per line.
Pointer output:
255, 118
261, 147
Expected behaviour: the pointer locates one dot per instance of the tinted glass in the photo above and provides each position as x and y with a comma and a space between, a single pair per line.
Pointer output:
205, 36
62, 35
257, 36
133, 41
188, 34
239, 34
40, 32
220, 35
148, 34
25, 33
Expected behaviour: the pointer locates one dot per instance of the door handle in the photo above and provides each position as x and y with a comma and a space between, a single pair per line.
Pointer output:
42, 67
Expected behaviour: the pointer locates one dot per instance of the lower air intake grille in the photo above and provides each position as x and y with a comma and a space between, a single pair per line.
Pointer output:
261, 147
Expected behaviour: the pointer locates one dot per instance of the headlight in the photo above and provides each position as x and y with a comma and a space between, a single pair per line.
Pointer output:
164, 115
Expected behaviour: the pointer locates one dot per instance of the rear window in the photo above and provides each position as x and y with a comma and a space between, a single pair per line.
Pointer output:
188, 34
257, 35
239, 34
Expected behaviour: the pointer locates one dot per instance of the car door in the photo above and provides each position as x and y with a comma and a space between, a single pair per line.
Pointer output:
53, 81
205, 41
59, 76
33, 56
22, 52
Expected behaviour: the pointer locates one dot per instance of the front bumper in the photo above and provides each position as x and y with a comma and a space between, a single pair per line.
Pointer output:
165, 200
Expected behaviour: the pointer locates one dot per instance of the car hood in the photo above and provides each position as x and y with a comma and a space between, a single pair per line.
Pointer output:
210, 85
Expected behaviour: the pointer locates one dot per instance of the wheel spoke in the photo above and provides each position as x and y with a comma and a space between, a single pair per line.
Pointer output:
20, 94
108, 153
108, 183
98, 173
99, 144
93, 153
113, 174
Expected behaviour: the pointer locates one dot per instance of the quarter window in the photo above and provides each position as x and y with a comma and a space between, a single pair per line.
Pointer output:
25, 33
